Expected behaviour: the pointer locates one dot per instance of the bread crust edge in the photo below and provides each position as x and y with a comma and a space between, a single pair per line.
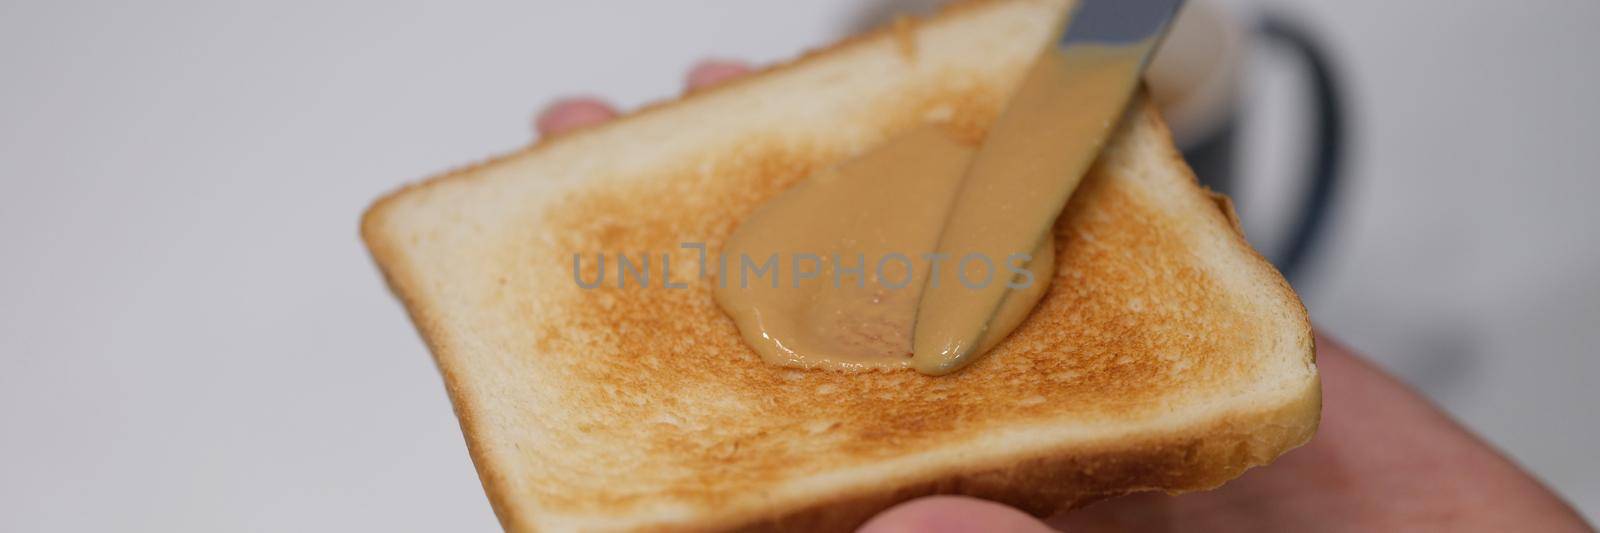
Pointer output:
1194, 457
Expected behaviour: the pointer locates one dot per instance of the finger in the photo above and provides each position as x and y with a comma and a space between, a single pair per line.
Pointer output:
953, 514
711, 72
569, 114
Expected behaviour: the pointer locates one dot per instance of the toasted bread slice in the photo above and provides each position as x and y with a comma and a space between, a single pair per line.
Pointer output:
1167, 355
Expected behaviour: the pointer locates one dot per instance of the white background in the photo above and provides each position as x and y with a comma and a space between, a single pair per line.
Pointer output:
193, 339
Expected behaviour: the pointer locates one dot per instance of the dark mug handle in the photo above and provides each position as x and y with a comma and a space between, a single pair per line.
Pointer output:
1212, 156
1327, 140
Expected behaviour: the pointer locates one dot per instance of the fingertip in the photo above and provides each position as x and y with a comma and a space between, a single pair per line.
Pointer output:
568, 114
711, 72
953, 514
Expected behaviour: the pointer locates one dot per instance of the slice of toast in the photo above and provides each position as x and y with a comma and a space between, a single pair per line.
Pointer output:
1167, 355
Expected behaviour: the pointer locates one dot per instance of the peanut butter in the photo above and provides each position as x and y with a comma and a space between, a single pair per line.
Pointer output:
874, 264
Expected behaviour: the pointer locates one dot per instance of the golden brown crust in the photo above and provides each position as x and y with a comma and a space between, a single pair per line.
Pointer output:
1081, 331
1110, 218
895, 29
384, 255
395, 273
1200, 458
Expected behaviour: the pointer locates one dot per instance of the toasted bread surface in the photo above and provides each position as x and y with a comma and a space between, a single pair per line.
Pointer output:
1167, 355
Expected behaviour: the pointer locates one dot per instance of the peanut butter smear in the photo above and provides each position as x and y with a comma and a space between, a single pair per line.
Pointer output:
874, 264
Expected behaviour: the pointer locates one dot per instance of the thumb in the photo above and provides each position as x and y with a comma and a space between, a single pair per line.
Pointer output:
953, 514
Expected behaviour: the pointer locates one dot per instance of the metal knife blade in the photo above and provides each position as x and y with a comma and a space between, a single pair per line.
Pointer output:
1028, 165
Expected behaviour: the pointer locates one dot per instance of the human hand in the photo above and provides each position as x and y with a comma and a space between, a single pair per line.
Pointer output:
571, 114
1384, 457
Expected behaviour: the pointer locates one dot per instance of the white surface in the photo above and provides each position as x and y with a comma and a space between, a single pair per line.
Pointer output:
193, 339
1467, 250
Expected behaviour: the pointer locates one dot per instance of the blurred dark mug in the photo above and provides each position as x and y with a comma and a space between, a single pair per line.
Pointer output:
1196, 80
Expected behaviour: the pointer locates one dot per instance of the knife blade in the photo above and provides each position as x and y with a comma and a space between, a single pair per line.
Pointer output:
1028, 165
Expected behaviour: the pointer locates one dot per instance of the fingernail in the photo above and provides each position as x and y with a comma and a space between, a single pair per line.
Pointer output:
570, 114
953, 514
712, 72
